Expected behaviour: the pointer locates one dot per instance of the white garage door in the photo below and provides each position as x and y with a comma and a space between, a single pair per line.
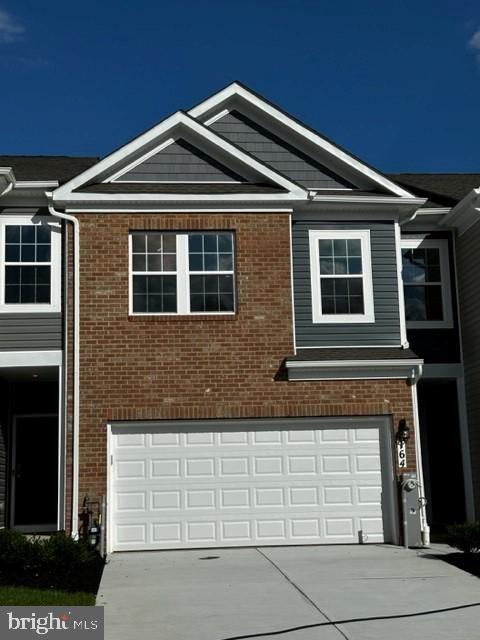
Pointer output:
237, 485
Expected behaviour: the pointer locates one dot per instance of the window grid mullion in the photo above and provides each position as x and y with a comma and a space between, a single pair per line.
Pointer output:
183, 279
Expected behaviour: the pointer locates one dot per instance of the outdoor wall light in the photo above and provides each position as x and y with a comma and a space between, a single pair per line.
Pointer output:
403, 431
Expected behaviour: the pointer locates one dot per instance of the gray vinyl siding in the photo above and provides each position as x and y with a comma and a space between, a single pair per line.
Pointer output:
277, 153
28, 332
386, 328
468, 273
180, 162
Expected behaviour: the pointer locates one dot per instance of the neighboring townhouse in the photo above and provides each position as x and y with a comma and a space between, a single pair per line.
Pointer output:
238, 356
32, 291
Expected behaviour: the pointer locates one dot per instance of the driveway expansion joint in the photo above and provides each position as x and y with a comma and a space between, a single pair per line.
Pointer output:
303, 594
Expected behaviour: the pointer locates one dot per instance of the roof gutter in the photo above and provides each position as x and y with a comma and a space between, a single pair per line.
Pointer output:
407, 368
464, 214
76, 355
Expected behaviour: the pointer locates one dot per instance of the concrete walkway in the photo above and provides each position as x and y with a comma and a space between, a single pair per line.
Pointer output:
302, 592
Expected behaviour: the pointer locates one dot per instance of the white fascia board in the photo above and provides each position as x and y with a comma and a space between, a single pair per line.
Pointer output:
30, 358
465, 214
432, 211
36, 184
372, 364
179, 119
131, 199
236, 89
354, 370
407, 200
209, 207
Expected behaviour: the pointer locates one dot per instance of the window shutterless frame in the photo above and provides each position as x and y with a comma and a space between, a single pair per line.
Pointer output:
54, 264
319, 315
182, 273
444, 282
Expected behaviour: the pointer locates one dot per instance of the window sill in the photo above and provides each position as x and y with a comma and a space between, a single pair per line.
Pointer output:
29, 308
200, 317
343, 319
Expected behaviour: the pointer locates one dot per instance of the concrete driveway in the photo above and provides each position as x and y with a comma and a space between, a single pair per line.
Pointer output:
365, 592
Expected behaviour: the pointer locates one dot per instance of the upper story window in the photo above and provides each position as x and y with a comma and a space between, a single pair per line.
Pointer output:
341, 276
426, 283
30, 259
182, 273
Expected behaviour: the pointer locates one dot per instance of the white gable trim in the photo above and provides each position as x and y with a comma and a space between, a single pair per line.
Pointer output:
138, 161
237, 90
183, 123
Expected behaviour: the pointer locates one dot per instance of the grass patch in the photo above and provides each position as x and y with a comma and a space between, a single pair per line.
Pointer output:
47, 597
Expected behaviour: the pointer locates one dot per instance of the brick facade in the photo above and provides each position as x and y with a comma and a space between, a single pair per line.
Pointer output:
153, 368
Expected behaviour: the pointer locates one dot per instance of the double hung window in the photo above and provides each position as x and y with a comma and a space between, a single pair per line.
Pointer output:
341, 276
182, 273
30, 265
426, 283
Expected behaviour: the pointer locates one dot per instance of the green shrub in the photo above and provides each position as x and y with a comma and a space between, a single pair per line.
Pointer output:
55, 562
465, 537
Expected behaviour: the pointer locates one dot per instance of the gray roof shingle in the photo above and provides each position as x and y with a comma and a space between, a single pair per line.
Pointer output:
180, 187
442, 189
61, 168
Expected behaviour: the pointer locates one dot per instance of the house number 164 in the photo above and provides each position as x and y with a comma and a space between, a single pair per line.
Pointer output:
402, 454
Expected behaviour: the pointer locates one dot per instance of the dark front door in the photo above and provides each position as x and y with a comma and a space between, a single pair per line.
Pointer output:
35, 473
441, 452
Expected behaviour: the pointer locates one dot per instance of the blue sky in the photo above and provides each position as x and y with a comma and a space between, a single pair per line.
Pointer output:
397, 83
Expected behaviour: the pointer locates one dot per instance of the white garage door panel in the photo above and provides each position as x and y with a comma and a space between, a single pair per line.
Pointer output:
228, 488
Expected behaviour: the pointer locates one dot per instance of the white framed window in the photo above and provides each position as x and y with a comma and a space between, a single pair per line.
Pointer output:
426, 283
341, 276
181, 273
30, 258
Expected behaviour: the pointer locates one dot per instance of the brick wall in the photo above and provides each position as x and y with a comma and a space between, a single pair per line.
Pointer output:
145, 368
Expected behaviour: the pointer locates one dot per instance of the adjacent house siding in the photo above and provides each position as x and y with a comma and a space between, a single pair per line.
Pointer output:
23, 332
469, 297
180, 162
277, 153
437, 346
386, 328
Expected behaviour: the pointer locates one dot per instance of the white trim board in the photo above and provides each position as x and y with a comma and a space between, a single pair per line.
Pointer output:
30, 358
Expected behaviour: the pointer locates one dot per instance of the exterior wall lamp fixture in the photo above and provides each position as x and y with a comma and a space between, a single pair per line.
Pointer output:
403, 431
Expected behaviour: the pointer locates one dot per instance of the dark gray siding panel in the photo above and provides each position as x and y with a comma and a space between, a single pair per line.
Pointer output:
275, 152
386, 328
180, 162
468, 271
22, 332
